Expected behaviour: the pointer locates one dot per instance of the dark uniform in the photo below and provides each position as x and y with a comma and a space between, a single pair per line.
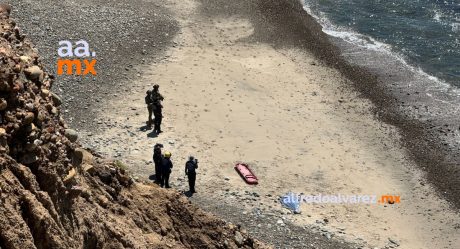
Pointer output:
148, 102
157, 112
157, 158
156, 99
190, 170
166, 166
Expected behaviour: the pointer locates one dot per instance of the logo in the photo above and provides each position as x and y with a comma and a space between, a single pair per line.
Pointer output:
342, 199
390, 199
73, 65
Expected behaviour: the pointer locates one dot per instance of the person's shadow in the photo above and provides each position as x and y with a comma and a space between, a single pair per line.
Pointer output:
152, 134
153, 177
144, 128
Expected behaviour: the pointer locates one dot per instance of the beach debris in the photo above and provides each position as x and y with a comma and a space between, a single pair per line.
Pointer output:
394, 242
291, 202
246, 173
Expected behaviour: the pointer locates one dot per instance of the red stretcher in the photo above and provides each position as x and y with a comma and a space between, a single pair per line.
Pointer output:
245, 172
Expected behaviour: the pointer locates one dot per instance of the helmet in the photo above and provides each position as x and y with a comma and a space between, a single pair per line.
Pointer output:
167, 154
149, 92
156, 86
191, 158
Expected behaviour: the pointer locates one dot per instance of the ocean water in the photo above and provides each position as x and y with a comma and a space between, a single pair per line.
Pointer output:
423, 33
413, 46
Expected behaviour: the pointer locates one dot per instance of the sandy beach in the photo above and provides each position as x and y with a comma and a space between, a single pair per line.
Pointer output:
296, 121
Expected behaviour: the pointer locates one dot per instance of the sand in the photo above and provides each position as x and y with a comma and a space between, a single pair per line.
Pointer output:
294, 120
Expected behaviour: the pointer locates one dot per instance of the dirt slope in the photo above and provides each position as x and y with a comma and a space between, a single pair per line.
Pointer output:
53, 194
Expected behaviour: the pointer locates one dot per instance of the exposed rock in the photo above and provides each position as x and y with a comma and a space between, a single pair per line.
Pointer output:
70, 134
88, 168
25, 59
394, 241
56, 99
81, 156
72, 173
103, 201
5, 9
3, 104
29, 158
239, 239
34, 73
29, 118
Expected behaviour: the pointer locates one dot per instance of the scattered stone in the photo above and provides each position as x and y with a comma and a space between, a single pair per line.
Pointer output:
34, 73
29, 158
70, 175
393, 241
81, 156
3, 104
103, 201
25, 59
239, 240
29, 118
5, 9
70, 134
88, 168
56, 99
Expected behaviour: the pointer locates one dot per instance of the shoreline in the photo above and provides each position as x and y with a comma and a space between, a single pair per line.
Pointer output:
423, 140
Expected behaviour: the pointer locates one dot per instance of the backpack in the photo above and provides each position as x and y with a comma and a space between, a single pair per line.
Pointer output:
148, 99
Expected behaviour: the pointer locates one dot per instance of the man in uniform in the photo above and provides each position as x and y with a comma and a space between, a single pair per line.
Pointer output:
148, 102
157, 158
156, 98
166, 166
157, 112
190, 170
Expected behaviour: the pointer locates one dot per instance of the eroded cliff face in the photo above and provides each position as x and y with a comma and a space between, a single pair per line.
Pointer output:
53, 194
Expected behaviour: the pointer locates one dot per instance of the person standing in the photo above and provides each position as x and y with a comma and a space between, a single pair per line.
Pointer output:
190, 170
157, 112
156, 99
166, 166
157, 158
148, 102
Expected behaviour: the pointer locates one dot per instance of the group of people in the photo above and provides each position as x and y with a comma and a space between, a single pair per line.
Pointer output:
163, 163
153, 101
